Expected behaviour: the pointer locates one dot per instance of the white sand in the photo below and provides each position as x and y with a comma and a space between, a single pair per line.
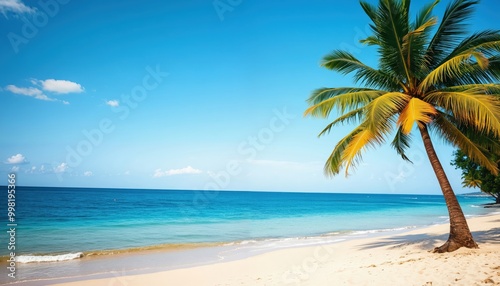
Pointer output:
402, 259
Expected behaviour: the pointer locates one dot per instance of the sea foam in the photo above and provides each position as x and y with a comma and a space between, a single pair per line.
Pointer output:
48, 258
372, 231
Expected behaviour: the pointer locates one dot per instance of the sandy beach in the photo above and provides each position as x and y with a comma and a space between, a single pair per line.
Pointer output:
401, 259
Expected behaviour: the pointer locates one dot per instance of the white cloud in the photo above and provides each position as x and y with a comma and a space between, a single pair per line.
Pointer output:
14, 169
113, 103
39, 170
49, 85
88, 173
15, 6
63, 167
60, 86
29, 91
16, 159
44, 97
187, 170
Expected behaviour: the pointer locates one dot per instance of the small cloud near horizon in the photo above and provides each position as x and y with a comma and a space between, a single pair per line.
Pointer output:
187, 170
16, 159
63, 167
88, 174
113, 103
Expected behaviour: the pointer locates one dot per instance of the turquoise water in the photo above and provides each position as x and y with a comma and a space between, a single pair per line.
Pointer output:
55, 221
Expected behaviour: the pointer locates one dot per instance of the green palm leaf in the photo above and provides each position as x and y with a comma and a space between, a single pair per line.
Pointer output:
344, 99
345, 63
425, 13
401, 143
471, 107
455, 136
350, 117
449, 32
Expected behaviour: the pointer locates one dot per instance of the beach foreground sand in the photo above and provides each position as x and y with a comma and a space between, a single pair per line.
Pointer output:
401, 259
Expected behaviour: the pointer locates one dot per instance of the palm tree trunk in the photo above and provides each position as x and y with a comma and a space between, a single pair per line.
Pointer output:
460, 234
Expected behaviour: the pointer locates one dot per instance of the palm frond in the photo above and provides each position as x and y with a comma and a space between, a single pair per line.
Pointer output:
421, 29
334, 162
474, 74
326, 99
414, 47
490, 88
471, 181
370, 10
425, 13
350, 117
484, 41
352, 153
471, 107
488, 143
456, 137
345, 63
418, 111
450, 31
380, 110
400, 143
391, 26
481, 60
449, 69
370, 41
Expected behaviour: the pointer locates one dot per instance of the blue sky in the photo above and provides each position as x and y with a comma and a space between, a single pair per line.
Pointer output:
187, 95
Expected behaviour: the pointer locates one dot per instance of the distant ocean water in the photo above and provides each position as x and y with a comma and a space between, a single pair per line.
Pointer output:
56, 224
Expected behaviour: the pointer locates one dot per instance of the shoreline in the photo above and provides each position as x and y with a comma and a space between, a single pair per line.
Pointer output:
358, 260
178, 246
179, 256
320, 238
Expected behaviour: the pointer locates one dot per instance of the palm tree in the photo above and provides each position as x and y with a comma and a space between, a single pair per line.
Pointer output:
471, 181
436, 76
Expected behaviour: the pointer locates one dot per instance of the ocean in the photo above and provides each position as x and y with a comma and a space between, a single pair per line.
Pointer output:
60, 226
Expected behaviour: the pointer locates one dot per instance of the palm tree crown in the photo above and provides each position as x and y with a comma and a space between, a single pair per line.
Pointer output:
446, 82
434, 75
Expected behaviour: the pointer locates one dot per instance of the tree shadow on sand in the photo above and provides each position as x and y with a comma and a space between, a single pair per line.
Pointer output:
428, 242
